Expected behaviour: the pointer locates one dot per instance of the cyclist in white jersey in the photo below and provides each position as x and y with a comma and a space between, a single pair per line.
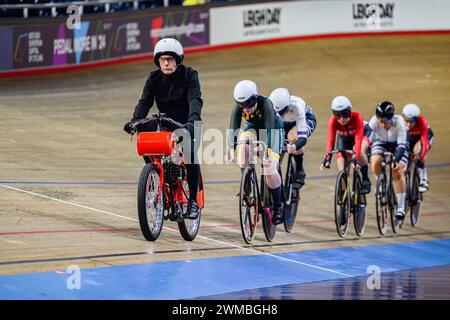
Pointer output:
299, 123
390, 135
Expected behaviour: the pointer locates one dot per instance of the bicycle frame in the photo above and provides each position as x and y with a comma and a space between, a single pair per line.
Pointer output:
262, 200
253, 168
351, 196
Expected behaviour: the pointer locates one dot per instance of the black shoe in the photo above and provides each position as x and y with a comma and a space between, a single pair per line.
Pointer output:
400, 214
299, 181
365, 188
192, 211
278, 215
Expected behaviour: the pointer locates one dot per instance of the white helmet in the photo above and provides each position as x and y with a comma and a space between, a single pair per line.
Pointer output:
411, 111
280, 99
168, 46
340, 103
245, 93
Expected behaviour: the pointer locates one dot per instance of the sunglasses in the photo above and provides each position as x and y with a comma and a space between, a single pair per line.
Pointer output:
410, 120
342, 114
283, 111
249, 103
384, 120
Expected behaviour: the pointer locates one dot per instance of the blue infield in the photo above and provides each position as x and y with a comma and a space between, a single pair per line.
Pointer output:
188, 279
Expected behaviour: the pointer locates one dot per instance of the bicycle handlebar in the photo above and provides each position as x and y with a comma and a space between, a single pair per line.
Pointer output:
255, 142
350, 152
155, 117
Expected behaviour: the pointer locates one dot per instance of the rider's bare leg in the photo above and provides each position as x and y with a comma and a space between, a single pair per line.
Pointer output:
243, 150
400, 185
375, 164
422, 170
340, 162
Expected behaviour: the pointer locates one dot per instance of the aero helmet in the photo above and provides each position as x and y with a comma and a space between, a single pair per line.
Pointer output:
341, 103
411, 111
245, 93
280, 99
385, 110
168, 46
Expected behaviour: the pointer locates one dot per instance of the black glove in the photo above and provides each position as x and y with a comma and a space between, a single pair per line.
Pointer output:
190, 128
128, 128
301, 142
399, 155
327, 160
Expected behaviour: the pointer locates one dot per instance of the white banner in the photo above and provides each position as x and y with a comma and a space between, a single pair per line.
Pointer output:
300, 18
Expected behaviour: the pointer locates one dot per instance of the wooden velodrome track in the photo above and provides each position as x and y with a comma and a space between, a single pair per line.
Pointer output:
68, 172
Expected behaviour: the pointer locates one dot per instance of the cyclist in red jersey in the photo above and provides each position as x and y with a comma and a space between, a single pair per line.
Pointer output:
420, 139
346, 130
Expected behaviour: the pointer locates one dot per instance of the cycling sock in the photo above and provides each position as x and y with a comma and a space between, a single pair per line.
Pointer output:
276, 196
423, 173
365, 172
298, 162
193, 179
401, 200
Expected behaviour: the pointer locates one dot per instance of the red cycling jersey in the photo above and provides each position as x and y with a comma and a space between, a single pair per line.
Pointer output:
354, 128
421, 129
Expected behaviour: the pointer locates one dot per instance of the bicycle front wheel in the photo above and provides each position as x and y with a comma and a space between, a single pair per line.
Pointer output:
359, 205
292, 196
248, 204
415, 199
150, 202
381, 203
393, 207
341, 204
269, 228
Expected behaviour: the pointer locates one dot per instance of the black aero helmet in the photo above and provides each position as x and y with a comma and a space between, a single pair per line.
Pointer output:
385, 110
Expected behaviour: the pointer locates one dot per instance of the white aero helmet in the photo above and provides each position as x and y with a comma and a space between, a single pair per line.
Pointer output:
280, 98
340, 103
411, 111
245, 93
168, 46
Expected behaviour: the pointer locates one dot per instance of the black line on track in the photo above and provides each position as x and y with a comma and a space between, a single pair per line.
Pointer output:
219, 248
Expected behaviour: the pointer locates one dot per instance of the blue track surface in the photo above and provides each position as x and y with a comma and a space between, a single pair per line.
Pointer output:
213, 276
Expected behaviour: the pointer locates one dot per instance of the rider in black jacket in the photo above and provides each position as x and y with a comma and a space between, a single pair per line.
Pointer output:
176, 90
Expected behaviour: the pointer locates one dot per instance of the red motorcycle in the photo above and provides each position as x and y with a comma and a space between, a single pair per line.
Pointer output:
163, 191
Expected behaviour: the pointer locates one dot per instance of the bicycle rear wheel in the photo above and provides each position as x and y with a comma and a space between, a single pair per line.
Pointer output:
150, 202
381, 203
341, 204
248, 204
269, 228
188, 227
359, 205
416, 198
292, 196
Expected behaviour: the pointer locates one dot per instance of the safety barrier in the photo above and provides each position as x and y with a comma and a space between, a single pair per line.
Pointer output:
73, 43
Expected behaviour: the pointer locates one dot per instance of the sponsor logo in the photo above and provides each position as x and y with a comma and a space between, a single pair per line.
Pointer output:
260, 17
262, 22
373, 15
